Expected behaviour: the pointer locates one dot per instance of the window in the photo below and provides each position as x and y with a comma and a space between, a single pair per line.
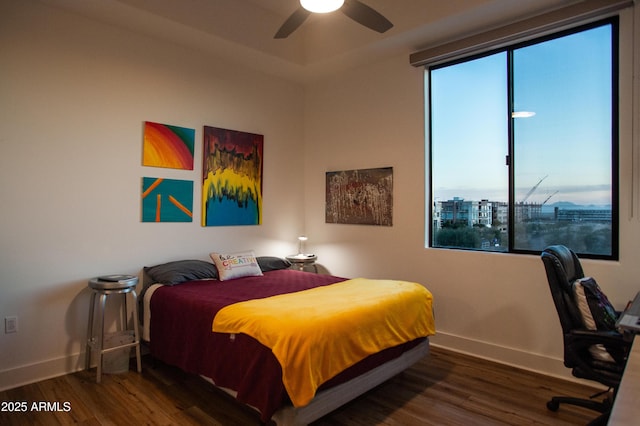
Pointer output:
523, 146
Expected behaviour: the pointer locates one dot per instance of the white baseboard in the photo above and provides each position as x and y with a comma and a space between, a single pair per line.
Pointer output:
538, 363
530, 361
36, 372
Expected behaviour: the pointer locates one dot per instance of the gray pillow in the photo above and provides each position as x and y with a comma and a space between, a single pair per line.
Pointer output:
179, 271
271, 263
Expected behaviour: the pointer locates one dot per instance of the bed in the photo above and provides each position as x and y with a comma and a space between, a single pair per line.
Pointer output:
216, 324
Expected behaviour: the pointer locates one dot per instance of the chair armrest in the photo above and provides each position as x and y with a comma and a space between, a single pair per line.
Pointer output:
592, 337
584, 365
579, 342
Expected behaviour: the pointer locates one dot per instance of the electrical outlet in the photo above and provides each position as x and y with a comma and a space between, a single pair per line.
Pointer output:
10, 325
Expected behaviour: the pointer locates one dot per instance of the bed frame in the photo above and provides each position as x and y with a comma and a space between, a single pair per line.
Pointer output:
330, 399
325, 401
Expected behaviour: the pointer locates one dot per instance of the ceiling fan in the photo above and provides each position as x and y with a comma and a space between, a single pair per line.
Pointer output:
354, 9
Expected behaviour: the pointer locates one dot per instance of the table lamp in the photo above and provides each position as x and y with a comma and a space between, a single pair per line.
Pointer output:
301, 240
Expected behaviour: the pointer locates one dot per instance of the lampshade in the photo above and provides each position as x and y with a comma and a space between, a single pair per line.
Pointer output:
301, 240
321, 6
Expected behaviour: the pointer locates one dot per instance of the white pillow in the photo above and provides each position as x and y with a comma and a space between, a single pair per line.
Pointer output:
236, 265
596, 315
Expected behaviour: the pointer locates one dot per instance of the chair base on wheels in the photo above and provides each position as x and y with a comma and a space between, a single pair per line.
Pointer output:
566, 280
603, 407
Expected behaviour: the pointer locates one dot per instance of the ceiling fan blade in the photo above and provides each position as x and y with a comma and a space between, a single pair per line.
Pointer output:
292, 23
365, 15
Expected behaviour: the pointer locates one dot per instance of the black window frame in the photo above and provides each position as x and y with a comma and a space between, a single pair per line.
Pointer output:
613, 21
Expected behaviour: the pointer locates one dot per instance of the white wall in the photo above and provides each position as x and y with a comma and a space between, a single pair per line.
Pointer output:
493, 305
74, 96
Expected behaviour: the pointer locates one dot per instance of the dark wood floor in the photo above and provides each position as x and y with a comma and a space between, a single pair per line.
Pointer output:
445, 388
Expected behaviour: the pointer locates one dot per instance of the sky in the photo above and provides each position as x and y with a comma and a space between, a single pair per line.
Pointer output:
565, 146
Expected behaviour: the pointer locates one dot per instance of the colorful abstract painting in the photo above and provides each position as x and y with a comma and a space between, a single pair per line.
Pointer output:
363, 197
167, 200
168, 146
231, 178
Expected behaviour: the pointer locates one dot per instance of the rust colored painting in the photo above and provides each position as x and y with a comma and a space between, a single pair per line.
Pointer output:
363, 197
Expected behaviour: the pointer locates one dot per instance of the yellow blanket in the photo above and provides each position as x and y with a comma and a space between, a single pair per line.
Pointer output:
317, 333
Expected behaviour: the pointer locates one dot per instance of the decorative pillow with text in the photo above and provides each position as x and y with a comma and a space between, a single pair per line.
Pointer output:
236, 265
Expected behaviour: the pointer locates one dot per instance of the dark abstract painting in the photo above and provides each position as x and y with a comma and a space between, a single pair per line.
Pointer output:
363, 197
231, 178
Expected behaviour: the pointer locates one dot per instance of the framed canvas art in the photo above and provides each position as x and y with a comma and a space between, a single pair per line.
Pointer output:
363, 197
168, 146
167, 200
231, 177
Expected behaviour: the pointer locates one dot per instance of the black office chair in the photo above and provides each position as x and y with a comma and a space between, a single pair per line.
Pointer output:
563, 269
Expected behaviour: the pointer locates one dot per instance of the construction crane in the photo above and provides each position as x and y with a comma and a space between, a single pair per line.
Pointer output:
532, 190
547, 199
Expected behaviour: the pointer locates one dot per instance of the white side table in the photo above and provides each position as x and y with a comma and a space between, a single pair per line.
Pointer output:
301, 260
105, 286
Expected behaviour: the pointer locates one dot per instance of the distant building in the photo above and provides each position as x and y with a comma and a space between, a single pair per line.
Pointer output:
500, 215
496, 213
459, 210
582, 215
525, 212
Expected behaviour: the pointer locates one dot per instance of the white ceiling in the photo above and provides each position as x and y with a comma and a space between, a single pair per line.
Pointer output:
325, 44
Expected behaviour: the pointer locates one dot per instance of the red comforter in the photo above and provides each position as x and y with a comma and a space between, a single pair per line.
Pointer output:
181, 317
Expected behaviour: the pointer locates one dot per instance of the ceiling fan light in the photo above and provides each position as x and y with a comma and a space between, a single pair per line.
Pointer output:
522, 114
321, 6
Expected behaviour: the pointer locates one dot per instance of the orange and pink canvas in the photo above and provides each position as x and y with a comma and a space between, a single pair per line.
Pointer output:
168, 146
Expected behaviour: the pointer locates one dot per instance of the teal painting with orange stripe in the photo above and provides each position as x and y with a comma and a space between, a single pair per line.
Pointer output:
167, 200
168, 146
